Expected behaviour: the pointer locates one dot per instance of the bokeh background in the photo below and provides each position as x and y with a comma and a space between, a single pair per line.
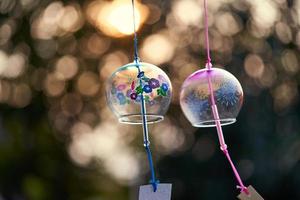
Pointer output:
59, 140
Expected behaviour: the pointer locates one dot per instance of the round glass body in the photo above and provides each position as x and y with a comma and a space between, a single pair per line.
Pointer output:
130, 83
195, 98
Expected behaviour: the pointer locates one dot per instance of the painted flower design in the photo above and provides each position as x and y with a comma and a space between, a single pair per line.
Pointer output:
147, 89
164, 87
133, 96
227, 95
121, 97
154, 83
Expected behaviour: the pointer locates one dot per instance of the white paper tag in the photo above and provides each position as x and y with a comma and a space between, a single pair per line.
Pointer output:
163, 192
253, 195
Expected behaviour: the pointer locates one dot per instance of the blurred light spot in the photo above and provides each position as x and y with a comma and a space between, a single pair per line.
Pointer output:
227, 24
88, 83
80, 128
71, 104
298, 39
155, 14
57, 20
290, 62
104, 143
5, 33
268, 77
3, 61
157, 49
23, 49
5, 91
204, 149
169, 140
66, 67
284, 95
254, 66
123, 166
187, 12
93, 46
29, 4
7, 6
71, 19
53, 85
115, 18
45, 26
240, 5
15, 66
283, 32
246, 167
21, 96
263, 19
111, 62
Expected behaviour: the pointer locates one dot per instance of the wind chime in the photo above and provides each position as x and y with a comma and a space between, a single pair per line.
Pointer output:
140, 93
213, 97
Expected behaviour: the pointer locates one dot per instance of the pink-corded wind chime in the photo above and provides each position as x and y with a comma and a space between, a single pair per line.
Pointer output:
213, 97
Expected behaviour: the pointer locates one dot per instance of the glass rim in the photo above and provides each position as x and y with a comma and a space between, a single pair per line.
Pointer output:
136, 119
212, 123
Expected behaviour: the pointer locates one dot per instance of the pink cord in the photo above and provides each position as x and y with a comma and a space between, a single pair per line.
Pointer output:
206, 36
214, 108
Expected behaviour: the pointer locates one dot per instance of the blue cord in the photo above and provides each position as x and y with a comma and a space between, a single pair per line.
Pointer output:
153, 181
136, 55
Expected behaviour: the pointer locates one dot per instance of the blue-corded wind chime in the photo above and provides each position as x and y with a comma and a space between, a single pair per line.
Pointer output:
139, 93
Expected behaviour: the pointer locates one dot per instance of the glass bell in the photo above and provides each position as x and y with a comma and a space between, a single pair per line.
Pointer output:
126, 86
195, 99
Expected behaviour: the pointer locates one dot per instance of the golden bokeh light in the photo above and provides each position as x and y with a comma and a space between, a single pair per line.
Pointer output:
157, 49
66, 67
88, 83
283, 32
21, 96
254, 66
284, 95
228, 24
101, 143
115, 18
187, 12
57, 20
290, 61
16, 65
53, 86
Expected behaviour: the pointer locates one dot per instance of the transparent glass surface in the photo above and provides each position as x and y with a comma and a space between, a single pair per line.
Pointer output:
124, 92
195, 97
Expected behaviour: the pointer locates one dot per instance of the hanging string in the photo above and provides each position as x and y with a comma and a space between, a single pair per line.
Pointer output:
140, 76
136, 55
214, 108
208, 59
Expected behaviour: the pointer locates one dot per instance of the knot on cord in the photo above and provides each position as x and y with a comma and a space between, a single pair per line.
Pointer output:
154, 184
208, 64
243, 189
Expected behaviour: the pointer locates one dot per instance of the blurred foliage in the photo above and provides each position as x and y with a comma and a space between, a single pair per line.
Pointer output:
58, 140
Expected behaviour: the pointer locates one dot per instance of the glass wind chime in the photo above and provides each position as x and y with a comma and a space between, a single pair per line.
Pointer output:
139, 93
213, 97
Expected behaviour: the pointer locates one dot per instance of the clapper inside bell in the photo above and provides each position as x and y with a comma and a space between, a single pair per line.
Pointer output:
253, 195
163, 192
